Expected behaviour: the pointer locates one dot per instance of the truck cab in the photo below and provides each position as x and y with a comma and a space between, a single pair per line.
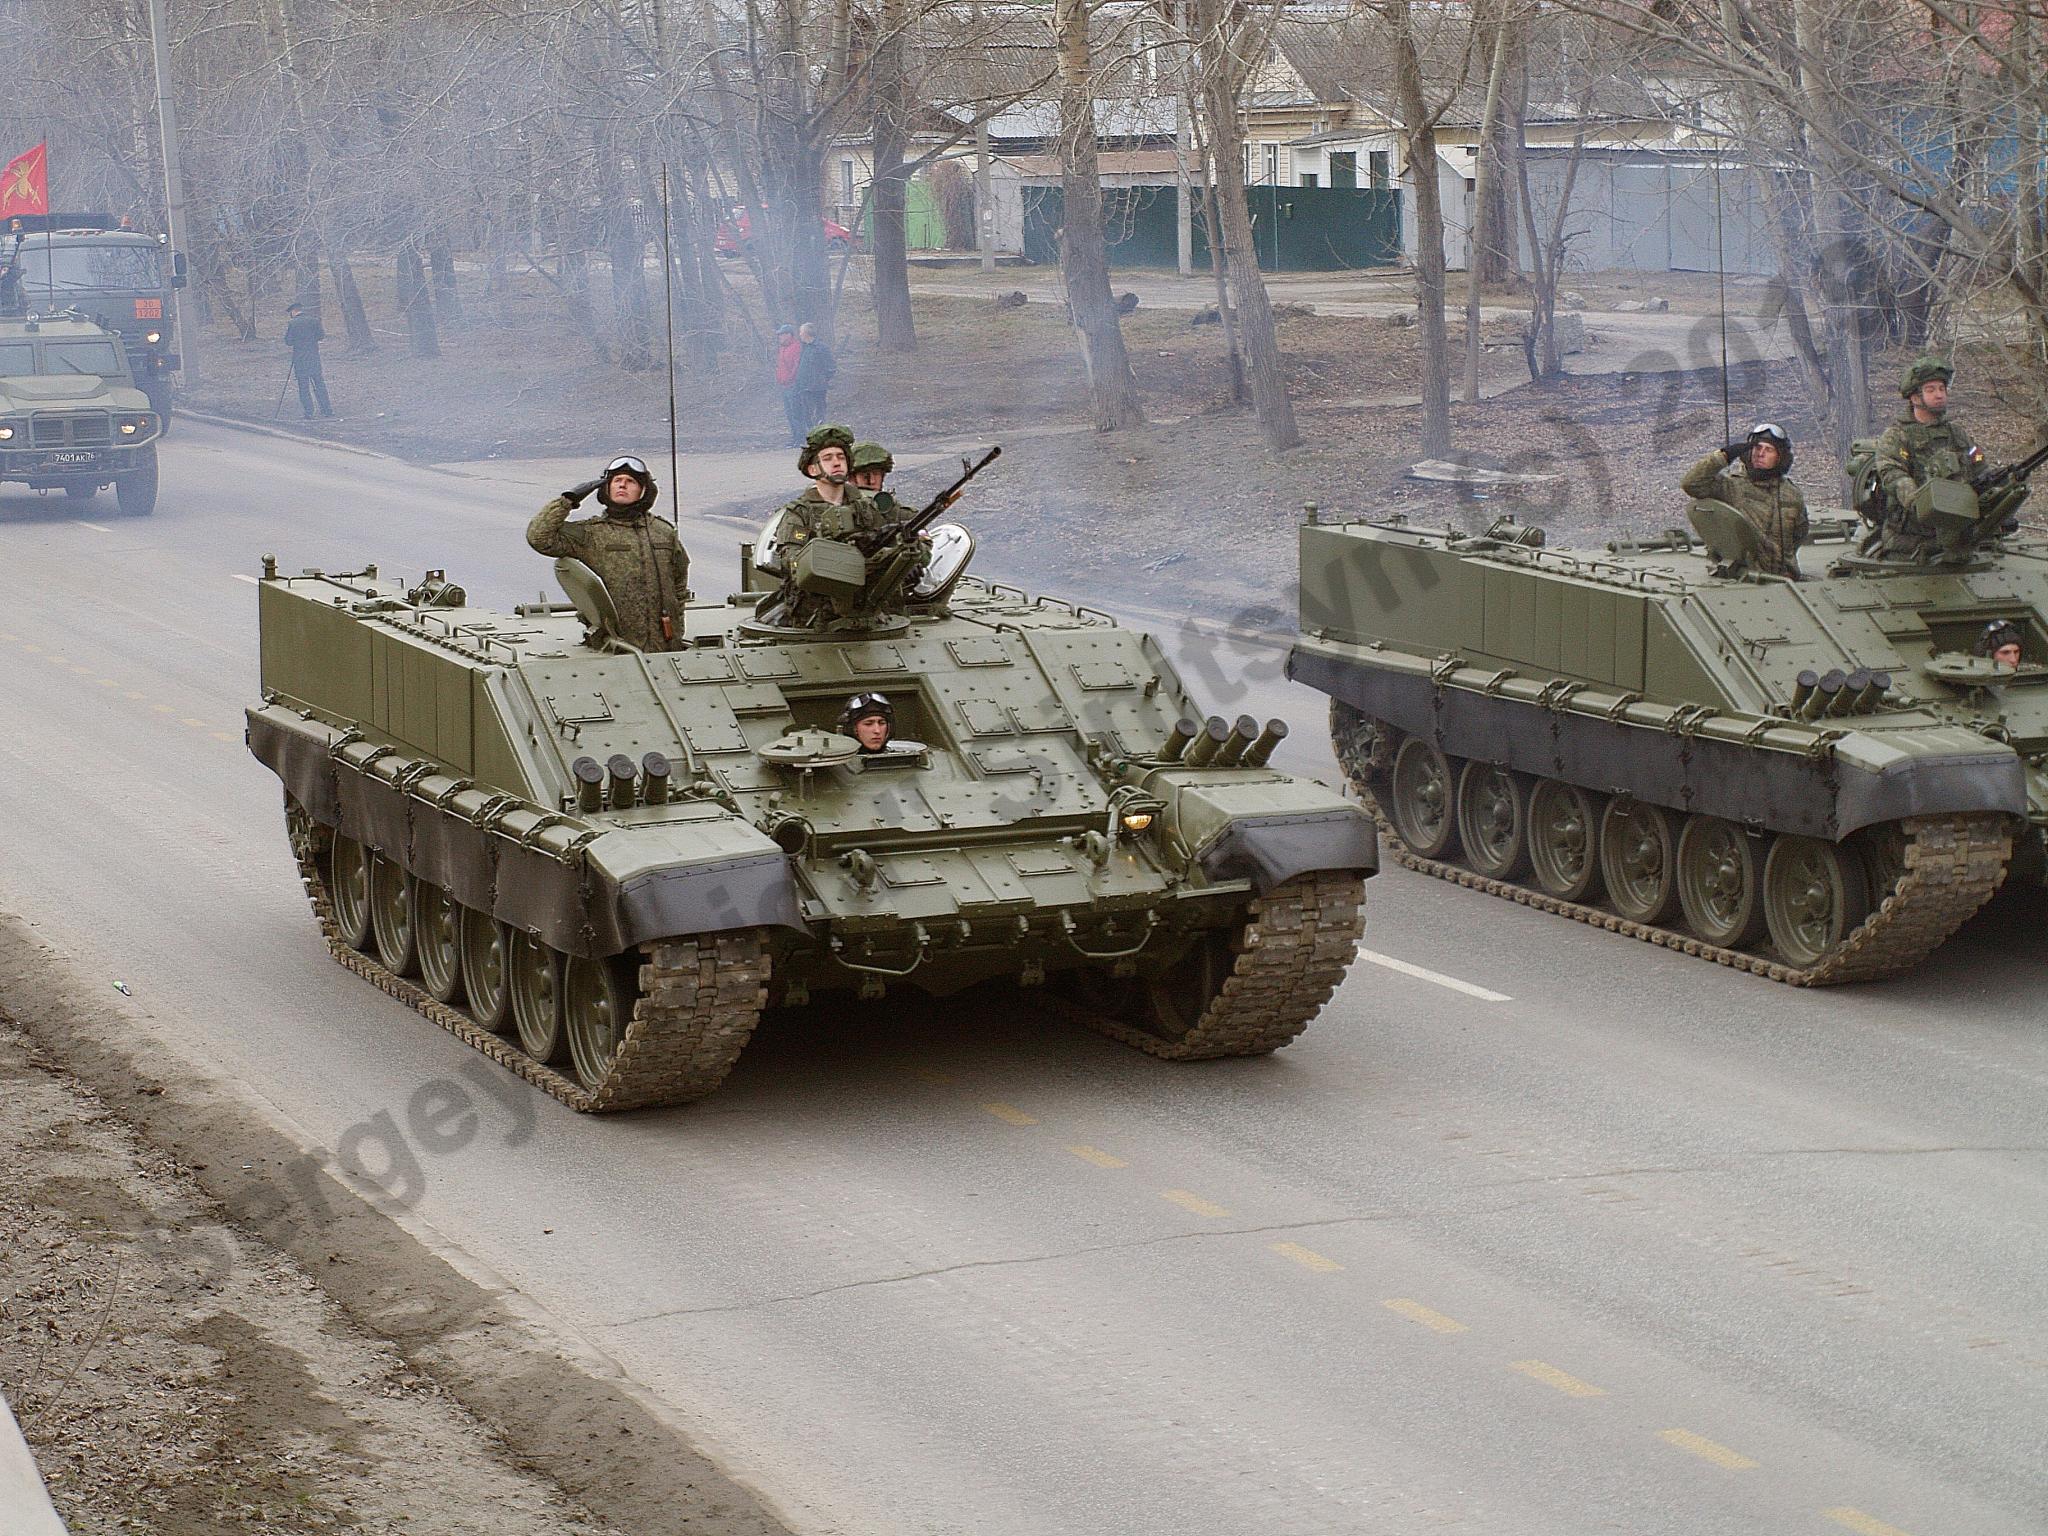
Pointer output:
120, 278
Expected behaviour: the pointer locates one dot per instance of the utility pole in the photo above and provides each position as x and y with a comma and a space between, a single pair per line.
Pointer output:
1183, 150
174, 185
984, 201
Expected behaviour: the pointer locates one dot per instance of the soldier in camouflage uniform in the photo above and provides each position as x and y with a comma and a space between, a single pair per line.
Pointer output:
872, 464
637, 555
830, 509
1922, 445
1752, 477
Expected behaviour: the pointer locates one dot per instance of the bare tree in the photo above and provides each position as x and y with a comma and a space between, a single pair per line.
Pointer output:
1418, 130
1084, 257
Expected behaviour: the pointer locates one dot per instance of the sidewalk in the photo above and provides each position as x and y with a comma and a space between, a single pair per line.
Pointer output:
23, 1499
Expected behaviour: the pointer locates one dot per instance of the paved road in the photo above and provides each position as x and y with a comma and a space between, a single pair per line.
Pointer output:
1539, 1233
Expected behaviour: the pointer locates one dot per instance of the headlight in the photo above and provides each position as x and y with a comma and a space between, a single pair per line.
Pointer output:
1137, 821
153, 337
6, 433
131, 426
127, 429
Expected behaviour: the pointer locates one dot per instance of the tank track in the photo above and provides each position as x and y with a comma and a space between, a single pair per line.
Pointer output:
1292, 951
1949, 866
698, 1002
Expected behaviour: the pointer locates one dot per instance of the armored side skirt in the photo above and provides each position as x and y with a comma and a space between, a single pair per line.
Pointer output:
1825, 780
521, 864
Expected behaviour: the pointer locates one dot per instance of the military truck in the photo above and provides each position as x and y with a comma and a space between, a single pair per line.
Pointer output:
90, 263
71, 418
1817, 781
599, 865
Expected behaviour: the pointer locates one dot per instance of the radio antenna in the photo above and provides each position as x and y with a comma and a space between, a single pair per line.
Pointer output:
1721, 288
668, 308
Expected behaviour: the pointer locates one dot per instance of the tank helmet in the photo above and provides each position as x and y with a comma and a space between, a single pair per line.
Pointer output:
861, 705
1997, 633
1770, 432
1924, 368
873, 456
628, 464
828, 436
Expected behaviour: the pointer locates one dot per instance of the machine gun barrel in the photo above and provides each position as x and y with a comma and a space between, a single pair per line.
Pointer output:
2008, 474
936, 507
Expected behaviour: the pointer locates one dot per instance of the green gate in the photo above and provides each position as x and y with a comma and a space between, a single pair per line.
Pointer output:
1296, 229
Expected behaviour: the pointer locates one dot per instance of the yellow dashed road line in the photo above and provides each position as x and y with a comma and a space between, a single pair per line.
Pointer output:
1010, 1114
1098, 1157
1193, 1203
1416, 1312
1307, 1258
1551, 1376
1707, 1450
1859, 1522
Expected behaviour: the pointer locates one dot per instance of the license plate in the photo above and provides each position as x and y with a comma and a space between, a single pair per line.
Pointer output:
72, 456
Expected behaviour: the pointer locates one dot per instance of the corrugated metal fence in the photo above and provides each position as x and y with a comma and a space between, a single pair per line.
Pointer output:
1296, 229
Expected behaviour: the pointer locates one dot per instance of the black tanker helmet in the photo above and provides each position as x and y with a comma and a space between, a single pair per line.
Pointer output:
1999, 632
1770, 432
636, 467
861, 705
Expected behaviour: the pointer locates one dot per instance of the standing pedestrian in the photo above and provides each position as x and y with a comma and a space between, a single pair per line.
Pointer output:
787, 350
814, 369
302, 333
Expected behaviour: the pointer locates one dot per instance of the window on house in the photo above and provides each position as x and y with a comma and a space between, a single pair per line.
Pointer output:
1311, 179
1381, 168
846, 182
1343, 167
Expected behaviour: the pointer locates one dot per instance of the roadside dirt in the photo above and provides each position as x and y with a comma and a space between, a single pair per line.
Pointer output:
208, 1385
204, 1333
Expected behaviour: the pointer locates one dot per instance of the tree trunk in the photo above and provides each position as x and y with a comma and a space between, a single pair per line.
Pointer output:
1493, 198
355, 320
1488, 206
1220, 90
895, 330
1084, 259
415, 304
447, 297
1419, 135
1219, 266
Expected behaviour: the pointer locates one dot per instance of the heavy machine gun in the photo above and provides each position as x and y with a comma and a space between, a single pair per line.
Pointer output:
893, 554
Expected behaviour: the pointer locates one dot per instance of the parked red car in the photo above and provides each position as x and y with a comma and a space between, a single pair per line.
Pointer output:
733, 234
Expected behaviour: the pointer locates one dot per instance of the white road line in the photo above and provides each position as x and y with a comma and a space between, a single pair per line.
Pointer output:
95, 527
1485, 995
238, 576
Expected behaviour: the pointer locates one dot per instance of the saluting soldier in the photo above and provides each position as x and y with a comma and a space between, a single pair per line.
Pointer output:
1752, 476
638, 556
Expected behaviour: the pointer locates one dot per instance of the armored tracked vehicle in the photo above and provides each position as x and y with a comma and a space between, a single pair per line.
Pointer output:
1817, 781
71, 416
599, 865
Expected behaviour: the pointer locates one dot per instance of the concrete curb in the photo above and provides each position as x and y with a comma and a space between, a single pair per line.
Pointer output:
264, 429
23, 1498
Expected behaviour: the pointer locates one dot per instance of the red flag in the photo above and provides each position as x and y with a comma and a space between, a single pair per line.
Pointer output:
25, 183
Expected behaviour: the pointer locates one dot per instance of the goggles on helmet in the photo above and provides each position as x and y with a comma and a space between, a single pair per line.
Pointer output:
869, 704
627, 462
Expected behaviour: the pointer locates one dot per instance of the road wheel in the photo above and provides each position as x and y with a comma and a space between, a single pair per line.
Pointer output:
136, 490
1815, 894
1564, 837
1493, 821
1720, 881
348, 888
78, 490
391, 916
486, 970
534, 973
1420, 799
437, 935
597, 1005
1639, 860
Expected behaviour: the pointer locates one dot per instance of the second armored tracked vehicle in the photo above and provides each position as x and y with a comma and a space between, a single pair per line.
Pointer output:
1817, 781
599, 865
